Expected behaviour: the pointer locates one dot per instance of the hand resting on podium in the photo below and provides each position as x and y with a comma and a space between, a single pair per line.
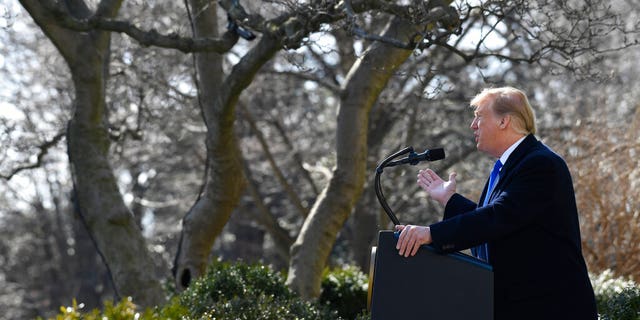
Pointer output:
411, 238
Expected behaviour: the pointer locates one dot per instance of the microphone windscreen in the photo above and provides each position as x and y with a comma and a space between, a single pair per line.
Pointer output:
436, 154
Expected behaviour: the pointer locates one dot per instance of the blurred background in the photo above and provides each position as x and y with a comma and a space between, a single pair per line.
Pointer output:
581, 80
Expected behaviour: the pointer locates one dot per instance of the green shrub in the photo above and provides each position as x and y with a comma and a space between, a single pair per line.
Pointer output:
244, 292
224, 282
123, 310
617, 298
255, 292
345, 290
622, 306
240, 291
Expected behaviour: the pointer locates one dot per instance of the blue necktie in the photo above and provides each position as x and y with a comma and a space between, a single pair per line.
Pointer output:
482, 251
492, 181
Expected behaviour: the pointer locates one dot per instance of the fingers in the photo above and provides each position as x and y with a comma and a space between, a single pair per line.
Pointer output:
416, 246
429, 180
425, 180
411, 238
428, 176
422, 182
408, 242
432, 175
403, 240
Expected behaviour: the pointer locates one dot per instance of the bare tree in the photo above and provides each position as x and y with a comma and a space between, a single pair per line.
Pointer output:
490, 36
101, 207
82, 35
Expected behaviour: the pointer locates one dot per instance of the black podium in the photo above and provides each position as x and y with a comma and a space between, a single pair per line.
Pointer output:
428, 285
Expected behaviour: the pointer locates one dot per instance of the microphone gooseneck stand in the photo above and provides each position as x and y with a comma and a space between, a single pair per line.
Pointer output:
378, 188
413, 158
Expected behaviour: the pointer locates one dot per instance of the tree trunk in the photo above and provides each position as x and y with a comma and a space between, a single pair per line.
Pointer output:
224, 179
365, 224
368, 76
111, 224
97, 197
205, 220
109, 221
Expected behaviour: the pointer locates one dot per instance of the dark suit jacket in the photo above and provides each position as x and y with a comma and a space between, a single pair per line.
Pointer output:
531, 227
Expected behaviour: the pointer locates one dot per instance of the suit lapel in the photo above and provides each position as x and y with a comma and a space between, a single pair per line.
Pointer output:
523, 149
529, 142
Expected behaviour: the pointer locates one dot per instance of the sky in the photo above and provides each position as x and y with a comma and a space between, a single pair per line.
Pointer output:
9, 10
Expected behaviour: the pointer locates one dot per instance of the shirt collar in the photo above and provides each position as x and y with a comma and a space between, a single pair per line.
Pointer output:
509, 151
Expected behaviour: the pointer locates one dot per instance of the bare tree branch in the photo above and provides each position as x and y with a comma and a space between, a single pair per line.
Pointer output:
40, 12
291, 193
147, 37
297, 157
291, 27
330, 75
444, 16
265, 218
334, 88
44, 149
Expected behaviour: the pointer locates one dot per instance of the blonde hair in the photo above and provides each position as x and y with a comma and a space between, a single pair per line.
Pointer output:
512, 101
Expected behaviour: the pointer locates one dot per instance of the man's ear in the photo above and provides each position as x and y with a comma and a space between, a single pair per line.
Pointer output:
504, 122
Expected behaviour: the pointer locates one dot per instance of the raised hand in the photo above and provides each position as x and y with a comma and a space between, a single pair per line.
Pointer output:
437, 188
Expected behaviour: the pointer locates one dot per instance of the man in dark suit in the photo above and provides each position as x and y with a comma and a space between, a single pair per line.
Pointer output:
526, 222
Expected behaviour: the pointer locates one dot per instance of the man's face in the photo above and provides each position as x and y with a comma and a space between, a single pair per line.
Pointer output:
485, 128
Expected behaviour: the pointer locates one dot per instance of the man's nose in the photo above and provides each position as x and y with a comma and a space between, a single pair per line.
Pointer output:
474, 124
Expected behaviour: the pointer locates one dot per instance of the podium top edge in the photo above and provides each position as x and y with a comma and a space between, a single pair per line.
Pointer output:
455, 255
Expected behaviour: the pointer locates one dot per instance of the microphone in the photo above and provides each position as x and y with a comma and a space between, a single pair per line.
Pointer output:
414, 158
